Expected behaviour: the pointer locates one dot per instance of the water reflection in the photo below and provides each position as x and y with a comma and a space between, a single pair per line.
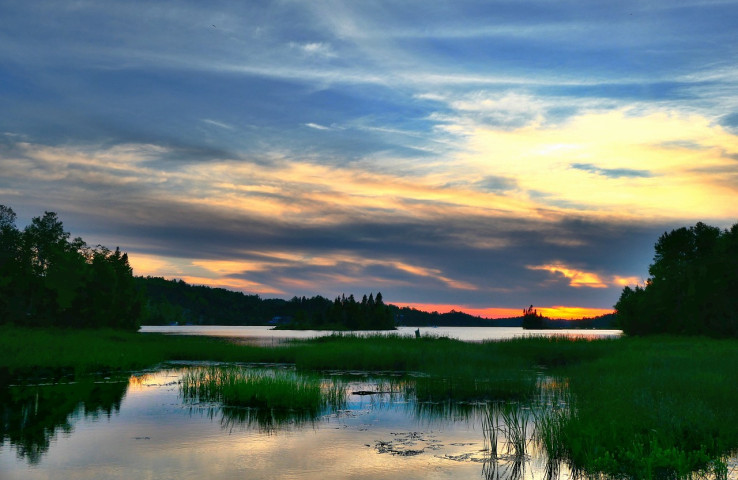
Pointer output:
365, 426
33, 415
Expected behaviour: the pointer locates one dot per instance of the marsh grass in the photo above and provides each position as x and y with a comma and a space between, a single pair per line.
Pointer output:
28, 355
656, 408
491, 427
258, 388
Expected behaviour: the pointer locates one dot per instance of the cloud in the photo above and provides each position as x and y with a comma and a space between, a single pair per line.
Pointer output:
317, 126
315, 48
493, 183
321, 146
218, 124
577, 278
612, 172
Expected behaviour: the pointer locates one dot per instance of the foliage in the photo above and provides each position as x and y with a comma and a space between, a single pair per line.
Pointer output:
175, 301
692, 288
48, 279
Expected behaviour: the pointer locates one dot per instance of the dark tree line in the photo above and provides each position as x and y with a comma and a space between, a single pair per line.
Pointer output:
48, 279
175, 301
347, 313
692, 288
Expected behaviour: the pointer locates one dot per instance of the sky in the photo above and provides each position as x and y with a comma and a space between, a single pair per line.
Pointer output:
477, 156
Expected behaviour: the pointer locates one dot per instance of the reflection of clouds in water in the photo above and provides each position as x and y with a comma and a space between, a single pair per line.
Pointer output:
379, 433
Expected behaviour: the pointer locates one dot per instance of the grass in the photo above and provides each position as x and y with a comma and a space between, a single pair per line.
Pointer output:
243, 387
659, 407
272, 397
28, 354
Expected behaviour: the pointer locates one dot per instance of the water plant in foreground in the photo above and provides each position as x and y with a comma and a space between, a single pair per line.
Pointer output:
235, 386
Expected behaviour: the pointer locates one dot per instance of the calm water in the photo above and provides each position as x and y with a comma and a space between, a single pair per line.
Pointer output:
265, 334
146, 427
143, 427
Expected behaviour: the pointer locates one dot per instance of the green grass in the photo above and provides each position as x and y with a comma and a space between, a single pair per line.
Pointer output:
29, 354
243, 387
656, 407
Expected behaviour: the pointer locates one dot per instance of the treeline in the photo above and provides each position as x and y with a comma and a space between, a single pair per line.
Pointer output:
174, 301
48, 279
346, 313
177, 302
692, 288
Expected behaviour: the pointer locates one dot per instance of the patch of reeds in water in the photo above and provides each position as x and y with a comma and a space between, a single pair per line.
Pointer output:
506, 422
270, 389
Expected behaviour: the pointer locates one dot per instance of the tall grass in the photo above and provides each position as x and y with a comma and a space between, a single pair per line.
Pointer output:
271, 389
657, 407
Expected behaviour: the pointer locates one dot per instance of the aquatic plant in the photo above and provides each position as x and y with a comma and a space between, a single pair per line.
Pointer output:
491, 427
272, 389
515, 426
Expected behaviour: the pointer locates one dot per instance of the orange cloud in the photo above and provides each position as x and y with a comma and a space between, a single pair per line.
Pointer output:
234, 284
577, 278
626, 281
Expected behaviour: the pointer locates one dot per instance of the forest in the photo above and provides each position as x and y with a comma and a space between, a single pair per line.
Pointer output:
48, 279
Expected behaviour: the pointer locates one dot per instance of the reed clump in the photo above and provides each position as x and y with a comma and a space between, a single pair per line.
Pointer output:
269, 389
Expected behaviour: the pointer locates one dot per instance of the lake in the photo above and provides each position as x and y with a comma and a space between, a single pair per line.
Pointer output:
266, 335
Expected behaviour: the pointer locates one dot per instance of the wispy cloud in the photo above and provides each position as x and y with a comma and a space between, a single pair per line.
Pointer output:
218, 124
612, 172
317, 126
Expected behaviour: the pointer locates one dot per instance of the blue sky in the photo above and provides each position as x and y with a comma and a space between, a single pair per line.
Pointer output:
471, 155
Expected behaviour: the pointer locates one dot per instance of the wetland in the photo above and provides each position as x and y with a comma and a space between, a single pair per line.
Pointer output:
381, 406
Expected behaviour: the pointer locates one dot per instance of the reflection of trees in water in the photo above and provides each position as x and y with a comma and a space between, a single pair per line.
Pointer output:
267, 420
32, 416
264, 420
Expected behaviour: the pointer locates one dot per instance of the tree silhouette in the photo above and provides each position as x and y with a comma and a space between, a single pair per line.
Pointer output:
692, 288
48, 279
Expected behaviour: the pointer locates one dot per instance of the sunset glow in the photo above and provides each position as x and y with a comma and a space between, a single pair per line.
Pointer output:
472, 157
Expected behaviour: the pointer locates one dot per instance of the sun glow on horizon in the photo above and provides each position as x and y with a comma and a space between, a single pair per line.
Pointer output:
555, 312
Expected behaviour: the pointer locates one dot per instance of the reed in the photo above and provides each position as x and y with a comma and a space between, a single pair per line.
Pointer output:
491, 427
515, 424
269, 389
